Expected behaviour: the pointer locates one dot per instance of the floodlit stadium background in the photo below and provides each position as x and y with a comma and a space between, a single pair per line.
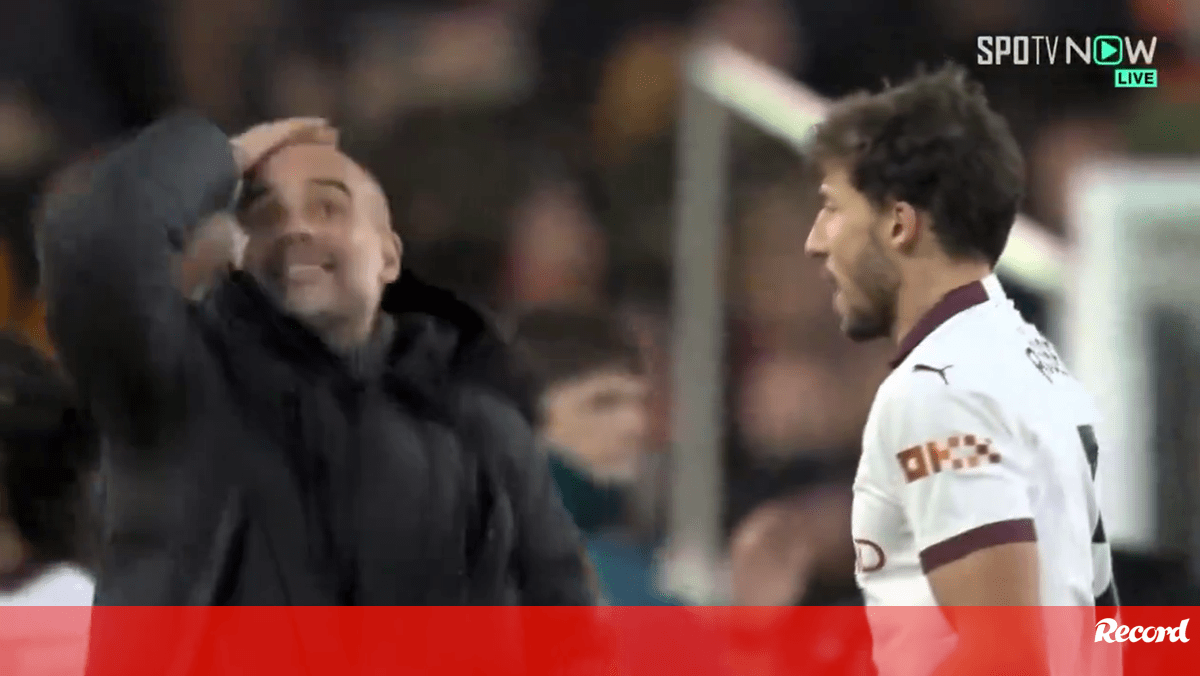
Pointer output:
563, 151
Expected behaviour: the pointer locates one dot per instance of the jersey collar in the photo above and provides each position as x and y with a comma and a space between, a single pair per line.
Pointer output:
963, 298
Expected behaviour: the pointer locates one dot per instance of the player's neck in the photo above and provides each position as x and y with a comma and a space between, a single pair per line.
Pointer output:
926, 288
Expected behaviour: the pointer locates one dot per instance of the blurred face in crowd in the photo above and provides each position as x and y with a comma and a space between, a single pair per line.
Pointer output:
319, 240
13, 548
601, 419
557, 251
849, 236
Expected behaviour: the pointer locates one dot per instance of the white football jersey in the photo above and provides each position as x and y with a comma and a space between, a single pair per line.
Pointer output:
62, 585
48, 642
978, 437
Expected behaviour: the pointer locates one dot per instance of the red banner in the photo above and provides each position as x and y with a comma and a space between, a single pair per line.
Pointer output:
543, 641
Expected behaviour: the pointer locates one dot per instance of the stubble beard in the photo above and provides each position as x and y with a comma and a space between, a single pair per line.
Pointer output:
877, 280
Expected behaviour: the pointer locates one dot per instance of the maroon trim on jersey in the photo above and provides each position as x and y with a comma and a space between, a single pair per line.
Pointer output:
991, 535
960, 299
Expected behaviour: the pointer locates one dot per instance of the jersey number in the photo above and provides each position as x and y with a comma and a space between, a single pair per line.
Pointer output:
1091, 449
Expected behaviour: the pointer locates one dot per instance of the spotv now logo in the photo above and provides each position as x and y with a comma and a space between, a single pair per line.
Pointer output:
1122, 54
1109, 631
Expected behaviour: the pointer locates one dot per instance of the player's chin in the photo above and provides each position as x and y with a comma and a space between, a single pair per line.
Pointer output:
862, 327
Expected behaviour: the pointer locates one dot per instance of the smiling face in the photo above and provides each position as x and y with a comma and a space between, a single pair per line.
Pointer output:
848, 236
319, 239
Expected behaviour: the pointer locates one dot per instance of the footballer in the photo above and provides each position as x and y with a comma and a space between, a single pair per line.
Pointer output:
976, 485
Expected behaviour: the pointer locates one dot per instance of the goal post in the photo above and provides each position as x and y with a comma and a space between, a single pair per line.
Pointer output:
1133, 338
722, 83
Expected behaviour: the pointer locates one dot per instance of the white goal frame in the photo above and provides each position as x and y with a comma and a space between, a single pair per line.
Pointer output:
1137, 228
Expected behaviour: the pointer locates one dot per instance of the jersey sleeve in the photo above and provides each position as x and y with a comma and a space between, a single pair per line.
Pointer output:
963, 476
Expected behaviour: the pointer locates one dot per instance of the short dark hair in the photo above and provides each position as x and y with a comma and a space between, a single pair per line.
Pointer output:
563, 343
48, 446
935, 143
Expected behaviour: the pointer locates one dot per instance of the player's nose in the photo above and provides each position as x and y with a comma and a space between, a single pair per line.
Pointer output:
815, 246
295, 226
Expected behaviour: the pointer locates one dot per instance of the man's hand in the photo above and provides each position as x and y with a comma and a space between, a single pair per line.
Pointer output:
770, 558
257, 143
215, 249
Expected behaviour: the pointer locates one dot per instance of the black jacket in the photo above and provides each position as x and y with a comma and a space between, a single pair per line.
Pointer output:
251, 466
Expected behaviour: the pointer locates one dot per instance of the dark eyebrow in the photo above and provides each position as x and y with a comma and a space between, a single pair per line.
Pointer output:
256, 190
332, 183
252, 192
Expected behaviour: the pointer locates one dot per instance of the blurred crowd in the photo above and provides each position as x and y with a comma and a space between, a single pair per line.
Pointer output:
527, 149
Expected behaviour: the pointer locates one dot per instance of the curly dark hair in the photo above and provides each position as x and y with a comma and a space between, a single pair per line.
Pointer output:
562, 343
48, 449
934, 142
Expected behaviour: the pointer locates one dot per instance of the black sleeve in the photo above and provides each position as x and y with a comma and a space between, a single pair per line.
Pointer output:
550, 550
550, 557
551, 563
551, 554
120, 325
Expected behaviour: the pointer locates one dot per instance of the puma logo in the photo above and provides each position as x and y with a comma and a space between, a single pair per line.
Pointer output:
941, 372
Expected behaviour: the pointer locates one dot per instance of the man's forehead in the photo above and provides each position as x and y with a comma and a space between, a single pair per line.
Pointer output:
834, 179
308, 161
317, 165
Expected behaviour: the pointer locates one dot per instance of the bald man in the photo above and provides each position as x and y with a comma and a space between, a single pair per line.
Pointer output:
322, 428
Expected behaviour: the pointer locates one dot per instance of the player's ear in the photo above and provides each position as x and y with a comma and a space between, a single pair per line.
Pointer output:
905, 225
393, 252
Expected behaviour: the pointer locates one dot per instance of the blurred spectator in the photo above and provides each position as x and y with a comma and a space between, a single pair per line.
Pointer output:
49, 451
371, 62
576, 39
90, 68
779, 296
21, 312
1059, 150
793, 404
638, 94
763, 29
211, 43
557, 253
794, 551
28, 137
642, 293
593, 426
593, 413
469, 266
48, 531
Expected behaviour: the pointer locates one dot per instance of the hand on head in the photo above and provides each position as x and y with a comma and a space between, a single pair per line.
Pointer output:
318, 233
217, 244
254, 145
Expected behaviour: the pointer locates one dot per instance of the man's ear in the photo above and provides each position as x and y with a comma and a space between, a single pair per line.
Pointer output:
393, 253
906, 225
